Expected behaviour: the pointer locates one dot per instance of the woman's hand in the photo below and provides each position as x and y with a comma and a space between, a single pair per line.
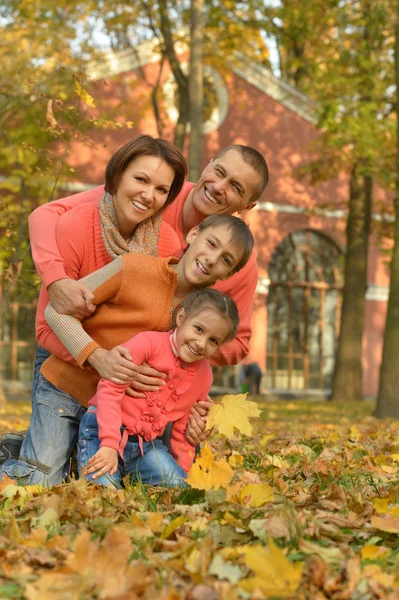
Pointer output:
147, 380
196, 424
115, 365
104, 461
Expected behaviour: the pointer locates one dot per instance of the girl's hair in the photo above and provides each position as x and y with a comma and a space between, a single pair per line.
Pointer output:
241, 235
203, 298
145, 145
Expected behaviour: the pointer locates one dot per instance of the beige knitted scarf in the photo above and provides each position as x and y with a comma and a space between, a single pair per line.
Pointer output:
144, 239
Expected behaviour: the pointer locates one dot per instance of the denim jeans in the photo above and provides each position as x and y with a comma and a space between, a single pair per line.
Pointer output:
52, 436
156, 466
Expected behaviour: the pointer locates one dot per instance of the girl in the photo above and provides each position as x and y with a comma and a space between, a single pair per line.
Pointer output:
118, 436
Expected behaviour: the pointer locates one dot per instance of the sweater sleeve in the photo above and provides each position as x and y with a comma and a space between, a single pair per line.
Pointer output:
42, 225
109, 395
241, 287
182, 451
105, 285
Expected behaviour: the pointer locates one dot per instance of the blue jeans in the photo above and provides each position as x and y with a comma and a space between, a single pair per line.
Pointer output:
52, 435
156, 467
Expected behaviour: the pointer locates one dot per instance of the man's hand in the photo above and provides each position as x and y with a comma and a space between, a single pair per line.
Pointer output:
147, 380
196, 424
115, 365
104, 461
69, 297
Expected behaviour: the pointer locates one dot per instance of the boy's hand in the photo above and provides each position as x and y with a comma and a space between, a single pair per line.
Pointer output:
196, 424
104, 461
146, 380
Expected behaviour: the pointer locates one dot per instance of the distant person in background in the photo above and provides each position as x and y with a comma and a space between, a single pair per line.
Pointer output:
251, 378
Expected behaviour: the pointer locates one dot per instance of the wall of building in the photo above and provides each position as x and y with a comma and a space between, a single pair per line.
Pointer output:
286, 139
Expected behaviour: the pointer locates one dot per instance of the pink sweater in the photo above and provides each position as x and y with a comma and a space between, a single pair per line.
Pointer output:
147, 417
50, 264
81, 248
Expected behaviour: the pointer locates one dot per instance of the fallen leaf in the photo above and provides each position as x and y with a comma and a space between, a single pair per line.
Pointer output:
372, 552
329, 555
255, 494
206, 473
233, 413
275, 575
390, 524
224, 570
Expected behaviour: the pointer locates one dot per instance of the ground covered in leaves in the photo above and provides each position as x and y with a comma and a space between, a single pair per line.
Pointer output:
306, 507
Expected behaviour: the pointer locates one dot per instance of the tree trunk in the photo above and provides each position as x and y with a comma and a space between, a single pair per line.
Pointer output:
180, 78
181, 125
347, 380
388, 400
196, 89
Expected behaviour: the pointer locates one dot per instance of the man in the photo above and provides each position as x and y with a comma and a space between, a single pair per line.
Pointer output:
232, 182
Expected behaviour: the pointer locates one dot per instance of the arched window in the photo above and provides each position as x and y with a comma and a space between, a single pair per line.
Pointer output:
304, 306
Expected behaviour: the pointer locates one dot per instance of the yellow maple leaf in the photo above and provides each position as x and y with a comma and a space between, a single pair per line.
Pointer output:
375, 572
232, 413
275, 575
206, 473
84, 94
255, 494
372, 552
236, 460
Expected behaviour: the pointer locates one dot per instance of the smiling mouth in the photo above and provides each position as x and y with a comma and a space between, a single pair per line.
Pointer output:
192, 350
210, 197
139, 206
201, 267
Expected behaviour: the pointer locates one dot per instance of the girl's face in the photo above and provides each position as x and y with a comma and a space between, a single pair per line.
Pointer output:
200, 335
211, 255
142, 191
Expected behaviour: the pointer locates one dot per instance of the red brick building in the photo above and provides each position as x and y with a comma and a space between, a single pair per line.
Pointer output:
299, 228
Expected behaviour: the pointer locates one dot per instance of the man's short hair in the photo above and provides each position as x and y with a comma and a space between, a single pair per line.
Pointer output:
254, 159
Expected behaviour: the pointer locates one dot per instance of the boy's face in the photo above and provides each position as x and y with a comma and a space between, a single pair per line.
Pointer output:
211, 255
227, 185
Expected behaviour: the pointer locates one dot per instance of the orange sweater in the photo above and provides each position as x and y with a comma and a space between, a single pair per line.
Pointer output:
137, 298
80, 243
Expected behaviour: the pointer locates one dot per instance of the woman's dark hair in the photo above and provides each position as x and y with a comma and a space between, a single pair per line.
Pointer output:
145, 145
202, 298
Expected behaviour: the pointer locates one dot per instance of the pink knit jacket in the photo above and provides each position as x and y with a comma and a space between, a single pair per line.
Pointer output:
148, 417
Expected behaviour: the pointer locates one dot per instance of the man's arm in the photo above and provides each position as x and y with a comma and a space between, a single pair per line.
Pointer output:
42, 225
241, 287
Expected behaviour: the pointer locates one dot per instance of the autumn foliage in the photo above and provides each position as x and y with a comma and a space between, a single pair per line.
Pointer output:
306, 506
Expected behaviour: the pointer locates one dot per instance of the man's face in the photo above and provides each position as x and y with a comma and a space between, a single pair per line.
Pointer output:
227, 185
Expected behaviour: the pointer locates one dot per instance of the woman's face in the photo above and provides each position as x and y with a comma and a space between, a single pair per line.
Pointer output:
143, 189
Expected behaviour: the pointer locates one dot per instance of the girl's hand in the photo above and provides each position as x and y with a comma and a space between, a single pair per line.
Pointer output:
115, 365
104, 461
196, 424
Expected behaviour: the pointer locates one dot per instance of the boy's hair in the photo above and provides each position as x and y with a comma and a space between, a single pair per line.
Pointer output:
202, 298
254, 159
241, 234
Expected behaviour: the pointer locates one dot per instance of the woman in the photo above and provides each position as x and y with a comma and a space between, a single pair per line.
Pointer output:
141, 178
